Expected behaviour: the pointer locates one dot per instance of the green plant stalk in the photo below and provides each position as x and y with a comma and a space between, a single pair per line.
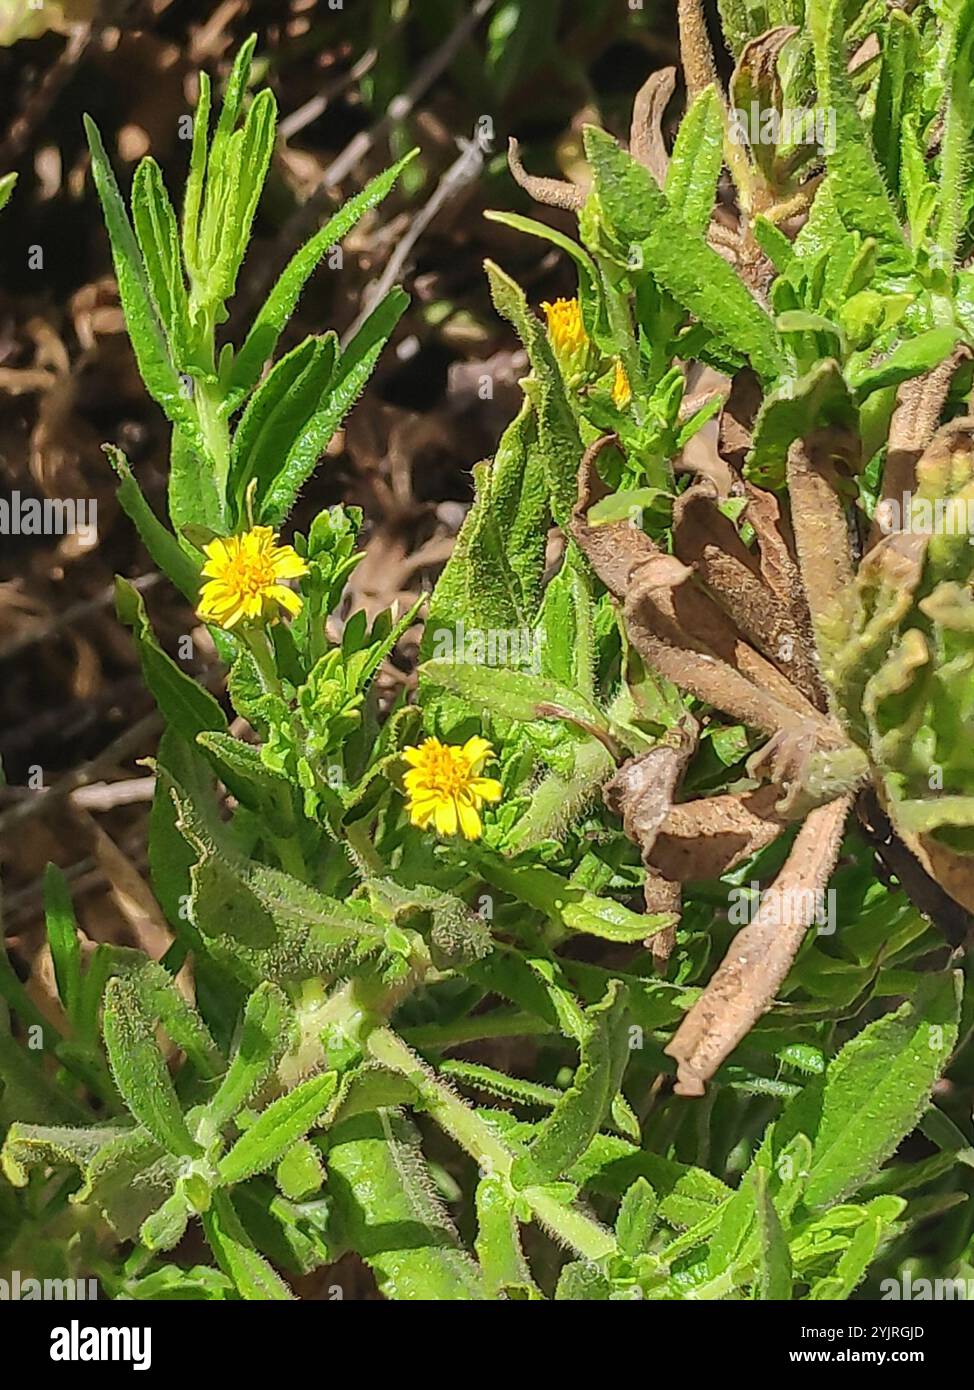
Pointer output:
465, 1126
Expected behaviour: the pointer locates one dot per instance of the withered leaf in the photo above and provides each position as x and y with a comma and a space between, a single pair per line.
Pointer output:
745, 983
646, 133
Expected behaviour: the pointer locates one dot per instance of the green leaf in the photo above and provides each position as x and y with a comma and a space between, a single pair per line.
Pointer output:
912, 358
774, 1261
62, 937
567, 1132
158, 238
509, 694
162, 545
268, 1031
156, 366
184, 703
6, 188
874, 1091
248, 159
955, 149
252, 1276
493, 578
506, 1271
278, 415
386, 1211
695, 164
637, 1218
352, 372
285, 1120
283, 298
498, 1083
687, 1195
193, 196
139, 1070
588, 272
38, 1146
569, 906
242, 771
678, 258
560, 443
195, 494
161, 999
861, 197
855, 1260
815, 400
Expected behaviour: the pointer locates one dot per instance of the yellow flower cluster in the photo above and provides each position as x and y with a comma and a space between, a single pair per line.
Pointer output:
573, 347
567, 332
444, 786
621, 390
245, 577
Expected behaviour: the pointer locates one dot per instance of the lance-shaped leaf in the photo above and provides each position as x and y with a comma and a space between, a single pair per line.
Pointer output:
774, 1280
955, 199
348, 381
245, 169
237, 1256
505, 1270
561, 446
566, 1133
185, 704
267, 1032
386, 1210
286, 1120
279, 415
643, 221
874, 1091
861, 195
695, 164
140, 1071
492, 580
852, 1265
687, 1194
161, 1000
569, 906
158, 238
513, 694
145, 330
283, 298
637, 1217
159, 541
62, 937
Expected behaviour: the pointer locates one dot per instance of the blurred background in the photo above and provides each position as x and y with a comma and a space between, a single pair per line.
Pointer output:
357, 82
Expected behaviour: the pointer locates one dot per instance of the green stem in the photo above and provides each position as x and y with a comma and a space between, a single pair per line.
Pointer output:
367, 858
501, 1024
465, 1126
257, 644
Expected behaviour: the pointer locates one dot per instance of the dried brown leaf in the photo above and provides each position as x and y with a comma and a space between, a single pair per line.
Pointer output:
646, 142
746, 981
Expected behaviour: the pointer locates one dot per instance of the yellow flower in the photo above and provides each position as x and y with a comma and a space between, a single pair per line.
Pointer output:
244, 578
567, 333
444, 785
621, 390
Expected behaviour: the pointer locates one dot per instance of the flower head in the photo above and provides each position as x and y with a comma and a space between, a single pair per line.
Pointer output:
244, 577
566, 330
621, 390
444, 785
